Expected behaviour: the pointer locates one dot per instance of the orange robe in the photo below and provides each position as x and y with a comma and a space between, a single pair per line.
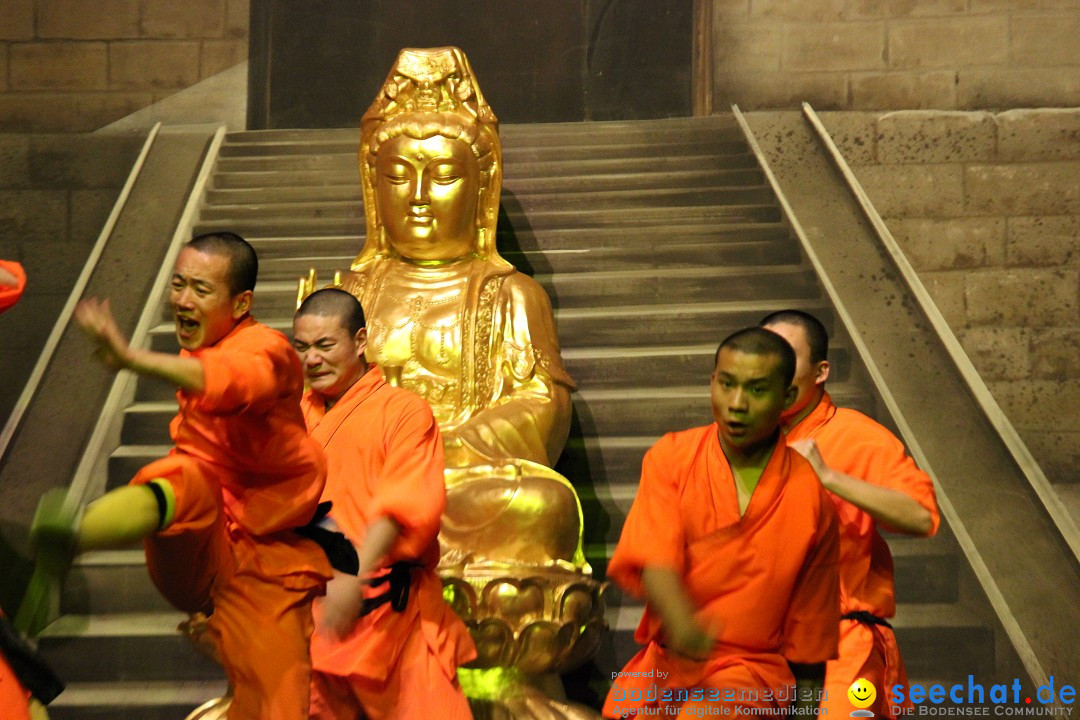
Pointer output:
10, 295
765, 584
14, 698
385, 458
856, 445
244, 473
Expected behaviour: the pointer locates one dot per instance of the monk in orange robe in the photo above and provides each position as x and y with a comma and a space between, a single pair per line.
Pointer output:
385, 479
12, 283
733, 544
216, 515
872, 482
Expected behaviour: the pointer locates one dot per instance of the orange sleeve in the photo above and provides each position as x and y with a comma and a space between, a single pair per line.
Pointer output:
412, 491
653, 535
10, 295
812, 625
245, 376
882, 460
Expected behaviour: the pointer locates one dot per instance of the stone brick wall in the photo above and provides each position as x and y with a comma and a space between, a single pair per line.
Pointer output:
987, 208
56, 192
75, 66
896, 54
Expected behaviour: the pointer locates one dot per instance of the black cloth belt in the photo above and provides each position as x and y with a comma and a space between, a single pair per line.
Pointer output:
339, 551
29, 668
866, 618
342, 556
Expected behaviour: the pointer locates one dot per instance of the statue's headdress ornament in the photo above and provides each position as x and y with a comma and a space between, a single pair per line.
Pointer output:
434, 85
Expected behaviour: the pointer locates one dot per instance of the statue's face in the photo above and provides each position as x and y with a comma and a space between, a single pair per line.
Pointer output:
427, 192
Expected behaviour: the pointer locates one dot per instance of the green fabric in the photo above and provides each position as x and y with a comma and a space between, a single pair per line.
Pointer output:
53, 534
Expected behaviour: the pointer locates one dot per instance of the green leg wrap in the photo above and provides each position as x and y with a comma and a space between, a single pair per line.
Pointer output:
53, 535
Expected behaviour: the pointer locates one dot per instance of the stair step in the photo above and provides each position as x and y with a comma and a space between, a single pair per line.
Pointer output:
111, 582
273, 245
659, 218
533, 262
347, 218
133, 700
586, 133
342, 177
580, 165
124, 647
514, 149
672, 198
782, 283
301, 186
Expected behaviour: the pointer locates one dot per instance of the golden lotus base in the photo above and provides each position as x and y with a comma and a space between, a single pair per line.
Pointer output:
535, 621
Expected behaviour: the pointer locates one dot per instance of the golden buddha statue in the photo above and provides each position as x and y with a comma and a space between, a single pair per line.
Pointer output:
449, 319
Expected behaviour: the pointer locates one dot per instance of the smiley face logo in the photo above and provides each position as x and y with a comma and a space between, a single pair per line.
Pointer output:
862, 693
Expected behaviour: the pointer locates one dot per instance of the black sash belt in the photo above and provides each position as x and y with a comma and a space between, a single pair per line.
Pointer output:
866, 618
399, 578
342, 556
31, 670
339, 551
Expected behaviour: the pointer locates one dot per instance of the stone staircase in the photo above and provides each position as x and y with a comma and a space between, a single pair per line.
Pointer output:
655, 239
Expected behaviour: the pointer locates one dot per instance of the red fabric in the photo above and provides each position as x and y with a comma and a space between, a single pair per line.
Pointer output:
766, 580
858, 446
385, 459
14, 698
244, 473
10, 295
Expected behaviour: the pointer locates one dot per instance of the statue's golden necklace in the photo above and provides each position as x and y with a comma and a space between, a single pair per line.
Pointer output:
417, 305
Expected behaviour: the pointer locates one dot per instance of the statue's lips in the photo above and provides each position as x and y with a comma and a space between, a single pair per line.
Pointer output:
420, 218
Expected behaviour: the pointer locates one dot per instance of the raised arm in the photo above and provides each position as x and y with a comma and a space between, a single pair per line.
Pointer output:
95, 318
887, 505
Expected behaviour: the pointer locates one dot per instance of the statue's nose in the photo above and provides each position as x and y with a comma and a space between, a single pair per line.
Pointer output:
420, 192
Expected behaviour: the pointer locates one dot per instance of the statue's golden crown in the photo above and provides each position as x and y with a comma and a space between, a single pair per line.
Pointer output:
435, 80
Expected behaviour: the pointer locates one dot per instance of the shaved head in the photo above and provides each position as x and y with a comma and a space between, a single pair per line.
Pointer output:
243, 263
759, 341
332, 302
816, 336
